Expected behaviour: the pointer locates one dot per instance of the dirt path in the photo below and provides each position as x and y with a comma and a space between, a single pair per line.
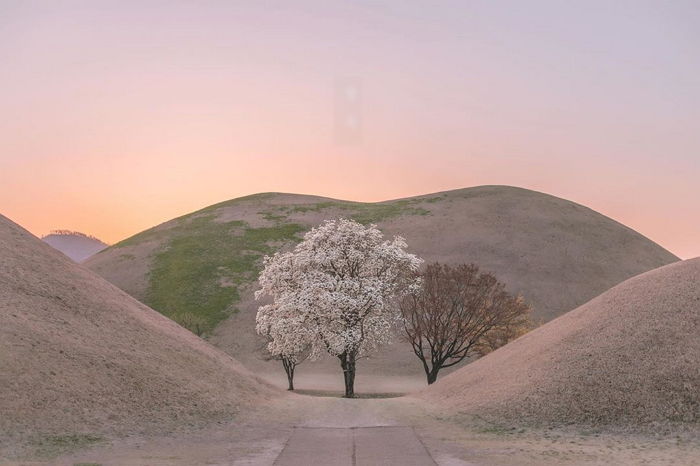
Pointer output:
358, 446
300, 430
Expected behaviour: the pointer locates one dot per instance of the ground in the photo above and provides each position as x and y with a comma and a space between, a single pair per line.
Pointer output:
393, 431
95, 377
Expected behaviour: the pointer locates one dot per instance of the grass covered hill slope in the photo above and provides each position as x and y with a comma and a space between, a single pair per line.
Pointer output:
558, 254
629, 357
78, 356
77, 246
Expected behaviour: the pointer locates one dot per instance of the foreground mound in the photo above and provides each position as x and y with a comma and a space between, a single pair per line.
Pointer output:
629, 357
77, 246
556, 253
79, 355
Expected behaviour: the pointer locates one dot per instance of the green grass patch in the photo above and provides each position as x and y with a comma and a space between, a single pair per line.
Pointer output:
201, 264
156, 234
272, 217
374, 213
362, 212
315, 207
199, 272
433, 200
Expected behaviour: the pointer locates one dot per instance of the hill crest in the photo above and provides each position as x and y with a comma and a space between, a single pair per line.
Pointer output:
74, 244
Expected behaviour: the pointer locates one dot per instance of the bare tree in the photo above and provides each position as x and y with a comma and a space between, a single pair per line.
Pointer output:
457, 311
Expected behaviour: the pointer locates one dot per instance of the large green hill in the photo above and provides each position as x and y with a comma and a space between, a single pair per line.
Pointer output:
556, 253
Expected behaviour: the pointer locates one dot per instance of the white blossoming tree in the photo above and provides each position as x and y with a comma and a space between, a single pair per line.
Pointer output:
289, 340
335, 293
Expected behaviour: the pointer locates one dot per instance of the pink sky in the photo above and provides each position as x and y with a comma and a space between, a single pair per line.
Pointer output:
120, 117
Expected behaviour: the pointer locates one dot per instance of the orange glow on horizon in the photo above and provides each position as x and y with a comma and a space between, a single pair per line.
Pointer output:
121, 118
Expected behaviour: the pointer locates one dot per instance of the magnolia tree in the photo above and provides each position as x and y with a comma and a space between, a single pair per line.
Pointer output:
289, 340
335, 292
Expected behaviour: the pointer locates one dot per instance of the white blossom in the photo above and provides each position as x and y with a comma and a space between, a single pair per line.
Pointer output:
334, 292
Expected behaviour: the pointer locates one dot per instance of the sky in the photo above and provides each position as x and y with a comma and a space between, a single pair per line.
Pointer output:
117, 116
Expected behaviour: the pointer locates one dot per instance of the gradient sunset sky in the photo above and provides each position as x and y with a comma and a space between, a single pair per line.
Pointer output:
119, 115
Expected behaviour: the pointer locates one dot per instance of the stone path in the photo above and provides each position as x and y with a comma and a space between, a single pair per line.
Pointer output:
355, 446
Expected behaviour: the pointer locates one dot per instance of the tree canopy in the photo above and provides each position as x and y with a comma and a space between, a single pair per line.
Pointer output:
335, 291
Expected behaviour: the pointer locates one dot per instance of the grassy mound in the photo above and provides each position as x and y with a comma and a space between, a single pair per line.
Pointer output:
201, 268
196, 276
629, 358
79, 358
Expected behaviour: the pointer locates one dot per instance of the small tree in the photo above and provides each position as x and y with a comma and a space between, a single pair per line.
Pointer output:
288, 339
338, 285
456, 312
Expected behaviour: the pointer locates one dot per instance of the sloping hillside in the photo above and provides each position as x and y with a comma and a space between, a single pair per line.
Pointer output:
77, 246
629, 357
78, 355
556, 253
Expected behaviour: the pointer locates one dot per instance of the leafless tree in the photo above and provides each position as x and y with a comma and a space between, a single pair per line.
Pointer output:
456, 312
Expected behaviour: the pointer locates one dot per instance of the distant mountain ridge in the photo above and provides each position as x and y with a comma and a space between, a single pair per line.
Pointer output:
74, 244
72, 233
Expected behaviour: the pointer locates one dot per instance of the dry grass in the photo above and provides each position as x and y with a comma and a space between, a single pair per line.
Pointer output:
630, 357
558, 254
79, 357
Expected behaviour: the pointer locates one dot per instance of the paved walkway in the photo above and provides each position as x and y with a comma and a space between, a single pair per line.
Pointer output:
355, 446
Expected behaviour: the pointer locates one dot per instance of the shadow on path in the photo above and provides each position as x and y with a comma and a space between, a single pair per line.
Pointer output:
338, 394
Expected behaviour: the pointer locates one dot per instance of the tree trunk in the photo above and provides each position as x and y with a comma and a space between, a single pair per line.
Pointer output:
289, 367
347, 362
432, 375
